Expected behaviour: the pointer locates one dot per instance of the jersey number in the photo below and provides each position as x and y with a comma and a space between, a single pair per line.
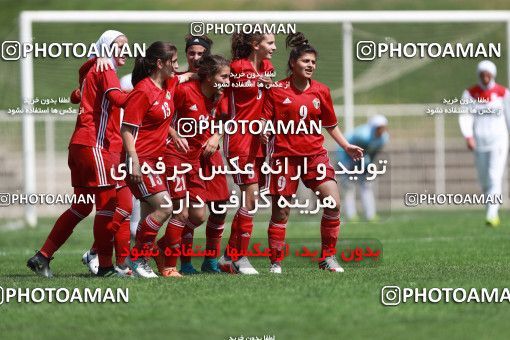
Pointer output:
180, 183
154, 182
303, 111
166, 110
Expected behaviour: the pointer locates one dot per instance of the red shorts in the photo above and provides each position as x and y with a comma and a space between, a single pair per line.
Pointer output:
90, 166
255, 176
215, 189
282, 184
116, 160
151, 183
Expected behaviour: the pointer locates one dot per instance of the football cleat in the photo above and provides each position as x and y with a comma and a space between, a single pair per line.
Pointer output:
140, 267
330, 263
275, 268
225, 264
108, 272
40, 265
243, 266
188, 269
493, 222
123, 270
210, 266
91, 260
170, 272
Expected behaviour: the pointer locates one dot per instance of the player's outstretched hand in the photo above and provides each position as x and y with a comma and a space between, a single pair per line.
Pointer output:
181, 144
104, 64
471, 144
211, 146
265, 80
354, 151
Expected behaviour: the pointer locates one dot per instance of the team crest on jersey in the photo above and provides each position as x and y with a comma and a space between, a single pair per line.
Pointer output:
193, 107
168, 95
316, 103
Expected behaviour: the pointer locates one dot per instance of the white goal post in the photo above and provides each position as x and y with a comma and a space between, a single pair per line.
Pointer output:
344, 18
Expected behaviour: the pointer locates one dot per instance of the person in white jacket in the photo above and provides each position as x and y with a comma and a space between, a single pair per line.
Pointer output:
485, 128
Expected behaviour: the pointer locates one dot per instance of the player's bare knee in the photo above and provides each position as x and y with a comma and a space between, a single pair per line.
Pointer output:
181, 216
163, 213
333, 211
280, 214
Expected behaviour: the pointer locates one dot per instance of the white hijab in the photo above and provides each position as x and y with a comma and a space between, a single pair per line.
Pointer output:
107, 39
487, 66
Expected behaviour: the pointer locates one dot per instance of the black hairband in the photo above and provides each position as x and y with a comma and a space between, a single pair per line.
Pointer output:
197, 41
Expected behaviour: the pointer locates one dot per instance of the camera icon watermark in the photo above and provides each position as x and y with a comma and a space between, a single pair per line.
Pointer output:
197, 28
411, 199
366, 50
11, 50
391, 295
187, 127
5, 199
1, 295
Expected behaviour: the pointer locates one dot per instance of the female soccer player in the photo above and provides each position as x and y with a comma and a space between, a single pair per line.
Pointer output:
303, 99
487, 133
250, 67
90, 159
144, 131
196, 48
198, 100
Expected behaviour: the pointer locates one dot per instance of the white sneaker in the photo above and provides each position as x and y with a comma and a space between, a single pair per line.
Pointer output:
243, 266
331, 263
225, 264
140, 267
91, 260
275, 268
123, 270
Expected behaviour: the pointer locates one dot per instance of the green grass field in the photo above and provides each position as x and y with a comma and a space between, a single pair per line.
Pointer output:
421, 249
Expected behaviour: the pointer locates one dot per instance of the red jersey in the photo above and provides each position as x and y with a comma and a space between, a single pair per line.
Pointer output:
98, 122
191, 103
245, 103
287, 104
149, 109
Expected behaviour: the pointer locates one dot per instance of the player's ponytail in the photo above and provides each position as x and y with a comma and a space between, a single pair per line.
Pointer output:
299, 45
242, 44
145, 66
210, 65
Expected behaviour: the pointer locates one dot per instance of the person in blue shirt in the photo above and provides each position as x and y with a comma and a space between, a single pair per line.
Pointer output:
371, 137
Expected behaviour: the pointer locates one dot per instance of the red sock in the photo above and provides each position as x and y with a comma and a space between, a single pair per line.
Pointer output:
104, 237
146, 233
93, 248
120, 225
173, 236
213, 233
122, 240
276, 239
330, 228
245, 221
64, 227
232, 240
187, 241
106, 201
